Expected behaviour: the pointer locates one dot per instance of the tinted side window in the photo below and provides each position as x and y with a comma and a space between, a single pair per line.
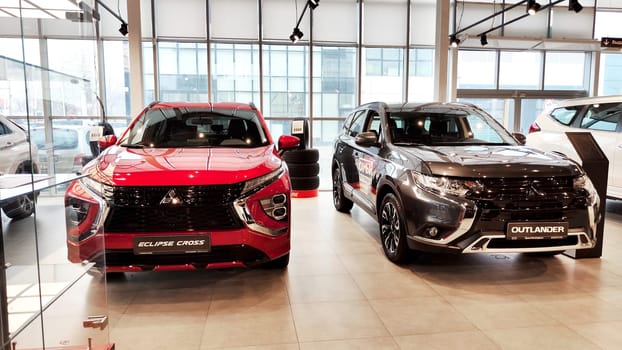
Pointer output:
4, 129
602, 117
357, 124
565, 115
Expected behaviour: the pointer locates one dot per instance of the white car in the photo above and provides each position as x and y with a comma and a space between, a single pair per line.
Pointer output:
600, 116
15, 158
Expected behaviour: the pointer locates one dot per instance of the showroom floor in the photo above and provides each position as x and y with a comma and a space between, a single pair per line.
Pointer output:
340, 292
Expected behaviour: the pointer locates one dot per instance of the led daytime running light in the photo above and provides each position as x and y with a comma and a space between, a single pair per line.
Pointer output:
254, 184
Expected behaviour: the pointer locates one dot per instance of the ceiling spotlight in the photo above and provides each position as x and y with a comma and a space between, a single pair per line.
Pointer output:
483, 39
454, 41
573, 5
313, 3
123, 29
532, 7
296, 35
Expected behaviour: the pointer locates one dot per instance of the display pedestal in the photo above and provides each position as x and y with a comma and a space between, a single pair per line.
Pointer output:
596, 165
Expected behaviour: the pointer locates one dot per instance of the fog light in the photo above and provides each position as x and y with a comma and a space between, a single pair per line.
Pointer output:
279, 213
432, 231
279, 199
275, 206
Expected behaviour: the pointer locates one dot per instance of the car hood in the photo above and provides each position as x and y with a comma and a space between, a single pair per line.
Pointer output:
123, 166
490, 161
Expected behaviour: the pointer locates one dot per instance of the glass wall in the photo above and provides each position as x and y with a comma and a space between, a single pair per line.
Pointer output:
212, 58
49, 81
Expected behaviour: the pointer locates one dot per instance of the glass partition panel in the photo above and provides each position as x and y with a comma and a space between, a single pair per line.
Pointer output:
50, 252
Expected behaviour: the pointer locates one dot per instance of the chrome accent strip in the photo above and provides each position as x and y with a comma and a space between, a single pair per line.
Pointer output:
242, 211
465, 226
102, 214
484, 248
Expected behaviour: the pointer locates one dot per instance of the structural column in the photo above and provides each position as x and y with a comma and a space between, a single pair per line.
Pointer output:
137, 102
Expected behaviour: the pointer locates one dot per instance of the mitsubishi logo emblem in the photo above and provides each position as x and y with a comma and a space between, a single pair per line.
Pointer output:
171, 197
533, 191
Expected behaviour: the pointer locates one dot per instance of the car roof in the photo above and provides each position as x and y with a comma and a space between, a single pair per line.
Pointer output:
409, 106
589, 100
203, 105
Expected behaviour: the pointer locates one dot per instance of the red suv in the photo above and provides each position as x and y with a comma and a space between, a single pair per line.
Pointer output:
187, 186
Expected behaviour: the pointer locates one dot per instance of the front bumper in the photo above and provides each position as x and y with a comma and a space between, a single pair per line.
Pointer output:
257, 230
440, 223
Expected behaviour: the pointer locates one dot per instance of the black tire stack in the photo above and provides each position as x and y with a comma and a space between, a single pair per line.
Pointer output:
303, 164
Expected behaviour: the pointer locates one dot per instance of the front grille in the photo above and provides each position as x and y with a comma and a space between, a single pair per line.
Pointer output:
525, 191
534, 199
175, 208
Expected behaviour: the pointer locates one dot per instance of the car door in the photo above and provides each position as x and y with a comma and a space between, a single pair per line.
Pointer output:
366, 161
8, 141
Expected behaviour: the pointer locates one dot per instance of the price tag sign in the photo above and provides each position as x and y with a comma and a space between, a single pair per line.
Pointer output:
298, 127
96, 132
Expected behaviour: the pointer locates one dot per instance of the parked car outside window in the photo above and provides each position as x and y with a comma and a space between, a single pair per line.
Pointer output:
70, 147
600, 116
17, 157
448, 177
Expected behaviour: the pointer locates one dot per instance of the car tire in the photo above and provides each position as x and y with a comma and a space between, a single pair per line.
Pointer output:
305, 183
393, 229
23, 206
278, 263
341, 203
303, 170
305, 156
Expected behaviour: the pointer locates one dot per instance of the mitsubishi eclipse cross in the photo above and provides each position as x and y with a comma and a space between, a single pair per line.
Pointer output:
187, 186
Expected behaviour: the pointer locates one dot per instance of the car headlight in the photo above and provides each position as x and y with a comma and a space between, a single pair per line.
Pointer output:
583, 182
95, 186
253, 185
446, 185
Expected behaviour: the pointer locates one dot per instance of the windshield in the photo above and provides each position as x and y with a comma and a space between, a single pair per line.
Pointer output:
447, 127
190, 128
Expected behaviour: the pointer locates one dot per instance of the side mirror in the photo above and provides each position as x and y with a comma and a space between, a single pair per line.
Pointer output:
366, 139
288, 142
107, 141
522, 139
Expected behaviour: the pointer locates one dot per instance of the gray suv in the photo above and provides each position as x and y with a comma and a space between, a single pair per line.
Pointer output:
449, 177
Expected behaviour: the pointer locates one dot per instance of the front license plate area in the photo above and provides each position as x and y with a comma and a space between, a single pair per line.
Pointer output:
536, 230
184, 244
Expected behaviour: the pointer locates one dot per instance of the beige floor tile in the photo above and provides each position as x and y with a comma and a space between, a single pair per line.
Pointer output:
579, 309
159, 330
389, 285
369, 263
420, 315
315, 265
384, 343
310, 289
502, 315
605, 335
170, 301
240, 292
336, 320
256, 325
547, 337
472, 340
267, 347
